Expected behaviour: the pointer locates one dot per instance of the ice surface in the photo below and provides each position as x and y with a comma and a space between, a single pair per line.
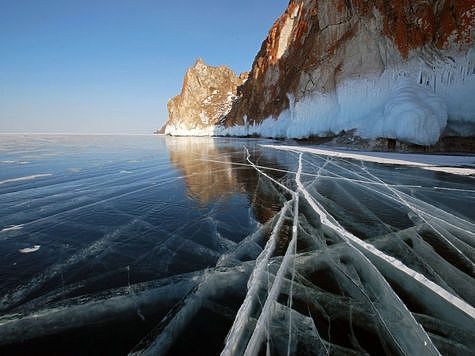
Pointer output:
441, 163
234, 340
289, 250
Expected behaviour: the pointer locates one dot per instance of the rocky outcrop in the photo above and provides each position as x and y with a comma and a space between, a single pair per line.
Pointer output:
399, 69
206, 97
316, 45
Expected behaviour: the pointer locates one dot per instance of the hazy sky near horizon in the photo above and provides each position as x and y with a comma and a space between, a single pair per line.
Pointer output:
110, 66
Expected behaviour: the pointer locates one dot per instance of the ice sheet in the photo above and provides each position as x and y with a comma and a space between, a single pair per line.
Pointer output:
286, 250
439, 163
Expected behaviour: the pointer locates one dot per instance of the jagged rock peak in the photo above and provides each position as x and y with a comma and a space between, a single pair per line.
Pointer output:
206, 97
199, 60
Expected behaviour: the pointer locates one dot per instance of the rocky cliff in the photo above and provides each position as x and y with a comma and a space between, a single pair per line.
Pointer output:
206, 97
401, 69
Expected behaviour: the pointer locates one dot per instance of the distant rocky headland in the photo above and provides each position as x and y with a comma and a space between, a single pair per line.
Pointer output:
401, 70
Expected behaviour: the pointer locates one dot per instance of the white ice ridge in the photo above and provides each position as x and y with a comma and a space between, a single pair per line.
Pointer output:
235, 336
248, 157
41, 320
258, 335
209, 284
413, 341
411, 338
422, 215
20, 179
439, 163
437, 219
418, 206
373, 252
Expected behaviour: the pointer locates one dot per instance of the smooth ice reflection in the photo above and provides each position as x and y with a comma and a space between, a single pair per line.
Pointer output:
161, 245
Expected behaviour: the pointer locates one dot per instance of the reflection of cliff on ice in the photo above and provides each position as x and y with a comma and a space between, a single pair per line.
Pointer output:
208, 172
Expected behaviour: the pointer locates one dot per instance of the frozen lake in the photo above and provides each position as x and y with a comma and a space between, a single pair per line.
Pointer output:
201, 246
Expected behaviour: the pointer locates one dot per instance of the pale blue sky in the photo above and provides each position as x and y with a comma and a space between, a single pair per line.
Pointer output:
111, 65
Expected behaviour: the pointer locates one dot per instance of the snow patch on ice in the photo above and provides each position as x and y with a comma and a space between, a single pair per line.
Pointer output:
19, 179
13, 162
12, 228
30, 249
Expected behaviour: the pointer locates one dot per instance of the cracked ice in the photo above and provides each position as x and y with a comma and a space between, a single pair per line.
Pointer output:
342, 255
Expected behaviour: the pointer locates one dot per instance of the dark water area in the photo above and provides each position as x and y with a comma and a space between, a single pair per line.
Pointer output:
118, 244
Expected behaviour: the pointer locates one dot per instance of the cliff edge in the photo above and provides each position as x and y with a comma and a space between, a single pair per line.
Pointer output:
398, 69
206, 97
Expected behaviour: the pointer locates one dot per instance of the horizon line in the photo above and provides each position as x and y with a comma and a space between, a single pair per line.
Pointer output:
79, 133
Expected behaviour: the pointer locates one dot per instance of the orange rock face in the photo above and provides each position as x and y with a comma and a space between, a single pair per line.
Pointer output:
316, 44
206, 97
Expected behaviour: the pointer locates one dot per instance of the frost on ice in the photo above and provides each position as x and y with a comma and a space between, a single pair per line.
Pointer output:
350, 263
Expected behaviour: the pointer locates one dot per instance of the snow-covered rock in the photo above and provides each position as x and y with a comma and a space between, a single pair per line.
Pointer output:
393, 69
